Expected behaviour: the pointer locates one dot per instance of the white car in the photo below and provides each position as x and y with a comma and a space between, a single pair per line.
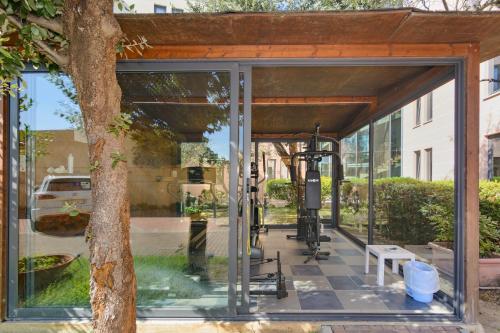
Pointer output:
57, 192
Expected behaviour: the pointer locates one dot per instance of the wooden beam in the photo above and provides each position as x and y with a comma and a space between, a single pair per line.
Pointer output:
342, 100
326, 100
403, 93
360, 120
300, 51
287, 136
471, 190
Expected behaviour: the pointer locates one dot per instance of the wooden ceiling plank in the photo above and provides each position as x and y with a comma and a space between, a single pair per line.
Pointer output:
402, 94
287, 136
306, 51
326, 100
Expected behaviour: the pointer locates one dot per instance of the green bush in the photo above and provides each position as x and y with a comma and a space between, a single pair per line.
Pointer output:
489, 199
407, 210
282, 189
411, 211
489, 240
354, 193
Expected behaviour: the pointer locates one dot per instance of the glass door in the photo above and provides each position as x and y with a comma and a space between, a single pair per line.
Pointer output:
246, 119
182, 158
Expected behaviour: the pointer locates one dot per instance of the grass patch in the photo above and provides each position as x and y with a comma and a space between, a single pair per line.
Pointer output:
288, 215
158, 278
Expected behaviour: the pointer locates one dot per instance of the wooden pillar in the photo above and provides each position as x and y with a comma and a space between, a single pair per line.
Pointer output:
471, 184
3, 206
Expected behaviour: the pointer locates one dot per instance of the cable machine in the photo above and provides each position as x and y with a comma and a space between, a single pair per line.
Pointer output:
309, 194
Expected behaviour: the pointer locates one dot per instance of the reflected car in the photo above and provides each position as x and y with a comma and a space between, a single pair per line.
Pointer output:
48, 212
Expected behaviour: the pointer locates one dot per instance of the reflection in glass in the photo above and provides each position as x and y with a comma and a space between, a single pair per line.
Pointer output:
415, 214
54, 195
178, 159
179, 186
354, 189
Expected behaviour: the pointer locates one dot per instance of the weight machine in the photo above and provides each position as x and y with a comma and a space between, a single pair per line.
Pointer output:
261, 281
309, 194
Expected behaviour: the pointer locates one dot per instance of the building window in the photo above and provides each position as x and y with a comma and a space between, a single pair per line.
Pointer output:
417, 164
284, 171
418, 110
160, 9
494, 75
428, 164
494, 157
271, 169
177, 10
429, 108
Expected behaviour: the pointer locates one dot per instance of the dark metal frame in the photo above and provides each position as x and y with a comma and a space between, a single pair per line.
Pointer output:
236, 66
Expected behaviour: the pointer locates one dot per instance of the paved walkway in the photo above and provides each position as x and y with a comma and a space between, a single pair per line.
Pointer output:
264, 326
415, 328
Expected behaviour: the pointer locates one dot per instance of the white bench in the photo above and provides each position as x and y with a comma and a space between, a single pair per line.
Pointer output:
383, 252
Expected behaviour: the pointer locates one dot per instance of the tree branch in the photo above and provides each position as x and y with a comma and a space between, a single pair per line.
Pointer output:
445, 4
43, 47
54, 25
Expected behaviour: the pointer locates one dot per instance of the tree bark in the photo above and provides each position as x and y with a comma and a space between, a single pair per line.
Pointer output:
93, 33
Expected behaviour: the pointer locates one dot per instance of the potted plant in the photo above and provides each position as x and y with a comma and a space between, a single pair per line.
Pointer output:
194, 212
42, 270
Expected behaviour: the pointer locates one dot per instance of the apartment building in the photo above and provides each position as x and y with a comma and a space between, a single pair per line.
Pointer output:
428, 130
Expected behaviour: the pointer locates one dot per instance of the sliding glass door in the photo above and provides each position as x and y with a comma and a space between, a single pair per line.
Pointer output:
182, 187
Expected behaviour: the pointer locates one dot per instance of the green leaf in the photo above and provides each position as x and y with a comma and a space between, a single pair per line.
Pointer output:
116, 158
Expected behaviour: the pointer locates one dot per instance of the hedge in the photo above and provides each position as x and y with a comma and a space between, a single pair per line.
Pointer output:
410, 211
283, 189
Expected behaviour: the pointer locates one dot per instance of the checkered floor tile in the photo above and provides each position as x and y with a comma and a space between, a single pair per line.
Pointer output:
336, 284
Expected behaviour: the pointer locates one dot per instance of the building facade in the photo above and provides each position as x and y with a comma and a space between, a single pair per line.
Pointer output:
428, 130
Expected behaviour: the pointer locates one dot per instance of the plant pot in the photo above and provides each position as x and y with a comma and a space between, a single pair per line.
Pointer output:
489, 272
442, 256
44, 276
62, 225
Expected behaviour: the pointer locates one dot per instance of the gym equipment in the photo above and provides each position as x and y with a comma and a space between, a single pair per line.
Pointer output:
256, 214
309, 194
267, 280
263, 282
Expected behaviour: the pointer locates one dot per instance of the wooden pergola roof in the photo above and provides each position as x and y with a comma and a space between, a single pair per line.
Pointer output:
400, 26
289, 100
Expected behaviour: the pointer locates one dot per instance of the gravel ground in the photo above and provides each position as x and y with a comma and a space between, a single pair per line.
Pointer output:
489, 310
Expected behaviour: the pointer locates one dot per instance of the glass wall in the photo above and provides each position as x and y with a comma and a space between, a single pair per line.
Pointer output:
277, 195
354, 151
178, 160
54, 202
417, 215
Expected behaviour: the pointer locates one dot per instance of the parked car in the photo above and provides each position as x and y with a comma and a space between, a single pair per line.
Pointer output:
48, 212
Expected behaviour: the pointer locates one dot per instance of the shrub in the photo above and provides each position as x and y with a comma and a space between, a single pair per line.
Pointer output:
489, 240
407, 210
354, 194
282, 189
489, 199
417, 212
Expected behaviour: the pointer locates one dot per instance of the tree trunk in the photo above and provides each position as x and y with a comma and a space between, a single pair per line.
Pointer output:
93, 34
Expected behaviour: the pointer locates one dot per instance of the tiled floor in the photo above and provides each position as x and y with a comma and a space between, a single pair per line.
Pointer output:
338, 284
